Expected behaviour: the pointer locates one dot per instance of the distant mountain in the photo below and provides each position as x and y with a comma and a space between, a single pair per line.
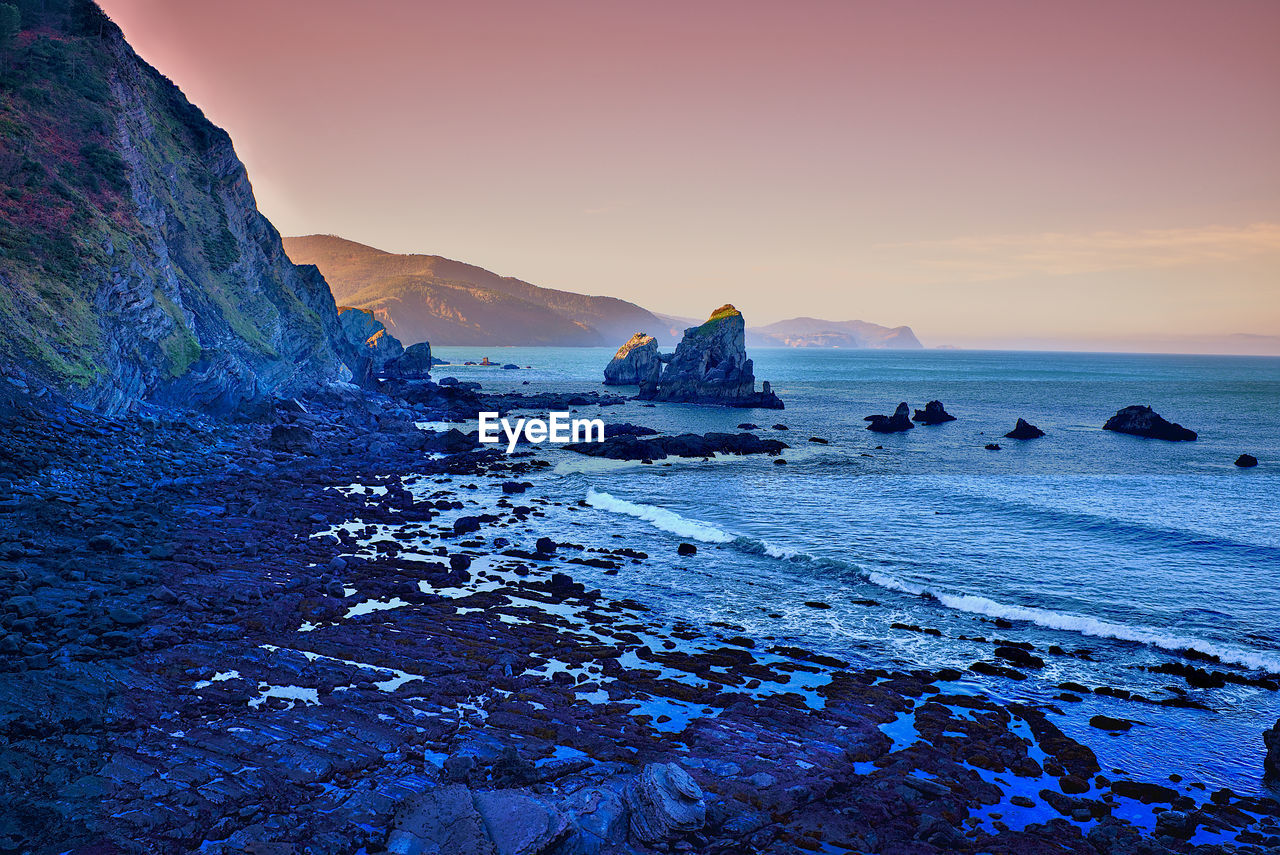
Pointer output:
429, 298
810, 332
813, 332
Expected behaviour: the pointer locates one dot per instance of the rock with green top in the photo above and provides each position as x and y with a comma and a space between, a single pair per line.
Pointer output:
636, 363
710, 366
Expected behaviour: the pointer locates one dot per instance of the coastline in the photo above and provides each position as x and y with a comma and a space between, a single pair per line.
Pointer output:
434, 668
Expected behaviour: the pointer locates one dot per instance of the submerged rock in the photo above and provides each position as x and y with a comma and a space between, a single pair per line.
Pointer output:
1024, 430
933, 414
637, 362
1143, 421
666, 803
1246, 461
710, 366
899, 421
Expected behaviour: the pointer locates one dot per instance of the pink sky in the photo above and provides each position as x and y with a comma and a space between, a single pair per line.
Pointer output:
1089, 173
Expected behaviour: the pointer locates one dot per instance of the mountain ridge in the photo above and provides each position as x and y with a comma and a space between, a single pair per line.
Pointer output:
422, 296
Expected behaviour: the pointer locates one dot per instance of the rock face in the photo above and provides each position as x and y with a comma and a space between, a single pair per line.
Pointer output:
414, 364
1024, 430
150, 275
368, 338
899, 421
636, 363
933, 414
1271, 763
710, 366
1144, 421
665, 803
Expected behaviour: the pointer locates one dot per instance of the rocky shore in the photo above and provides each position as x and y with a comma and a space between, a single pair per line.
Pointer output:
308, 634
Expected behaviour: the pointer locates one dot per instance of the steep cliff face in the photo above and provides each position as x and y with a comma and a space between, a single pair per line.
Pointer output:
138, 266
710, 366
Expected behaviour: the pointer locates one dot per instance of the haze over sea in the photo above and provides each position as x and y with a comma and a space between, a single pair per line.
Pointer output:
1127, 549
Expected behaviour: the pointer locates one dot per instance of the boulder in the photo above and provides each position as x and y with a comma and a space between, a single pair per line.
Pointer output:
710, 366
933, 414
1271, 763
666, 803
1143, 421
518, 823
367, 336
637, 362
440, 821
414, 364
1246, 461
1024, 430
899, 421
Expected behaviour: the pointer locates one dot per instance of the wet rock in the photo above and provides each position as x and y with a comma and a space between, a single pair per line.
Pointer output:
1246, 461
1024, 430
683, 445
899, 421
545, 545
465, 525
666, 803
992, 446
1106, 722
686, 549
1143, 421
933, 414
1271, 763
1175, 823
636, 362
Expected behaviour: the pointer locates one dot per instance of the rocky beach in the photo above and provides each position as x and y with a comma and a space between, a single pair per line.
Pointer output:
218, 640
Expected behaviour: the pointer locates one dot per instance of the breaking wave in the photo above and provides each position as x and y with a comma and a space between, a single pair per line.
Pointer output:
674, 523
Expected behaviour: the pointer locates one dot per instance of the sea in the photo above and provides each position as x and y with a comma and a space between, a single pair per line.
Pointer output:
1123, 552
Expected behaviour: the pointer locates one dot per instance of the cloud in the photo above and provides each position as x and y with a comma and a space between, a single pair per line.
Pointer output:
985, 258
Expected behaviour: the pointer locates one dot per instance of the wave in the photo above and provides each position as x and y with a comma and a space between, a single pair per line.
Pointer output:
661, 518
1081, 624
674, 523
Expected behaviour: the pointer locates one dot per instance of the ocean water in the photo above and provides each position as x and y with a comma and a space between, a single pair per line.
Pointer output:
1122, 550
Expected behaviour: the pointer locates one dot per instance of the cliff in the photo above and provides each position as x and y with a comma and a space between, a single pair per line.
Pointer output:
448, 302
134, 264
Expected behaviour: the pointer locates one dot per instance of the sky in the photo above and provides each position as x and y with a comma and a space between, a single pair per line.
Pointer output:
1079, 174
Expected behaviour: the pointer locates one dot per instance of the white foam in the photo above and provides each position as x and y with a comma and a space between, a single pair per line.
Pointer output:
1079, 623
659, 517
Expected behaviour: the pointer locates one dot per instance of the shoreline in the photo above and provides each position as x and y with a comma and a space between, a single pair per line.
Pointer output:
164, 695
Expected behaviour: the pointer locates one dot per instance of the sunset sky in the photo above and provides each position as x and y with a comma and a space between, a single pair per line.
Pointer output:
1071, 174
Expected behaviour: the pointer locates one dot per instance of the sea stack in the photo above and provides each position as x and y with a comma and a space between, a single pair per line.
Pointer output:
933, 414
637, 362
1024, 430
899, 421
1143, 421
710, 366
